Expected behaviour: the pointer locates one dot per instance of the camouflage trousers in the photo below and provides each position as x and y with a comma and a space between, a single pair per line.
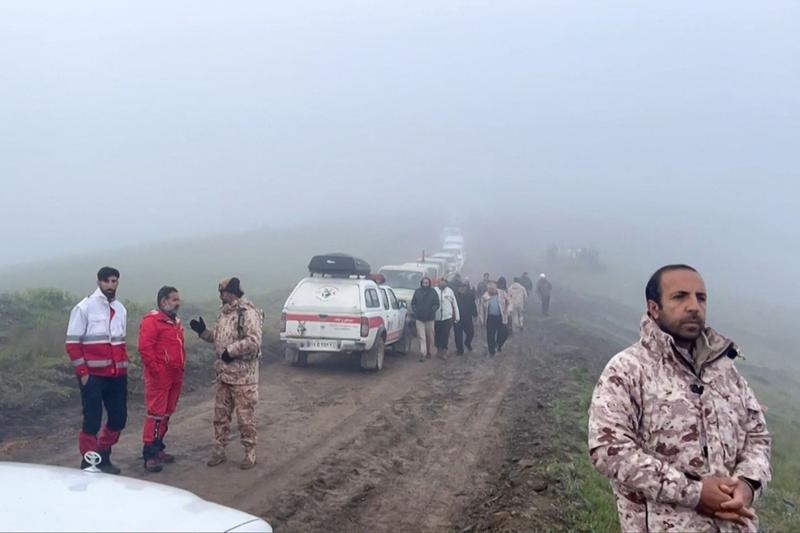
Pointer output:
242, 399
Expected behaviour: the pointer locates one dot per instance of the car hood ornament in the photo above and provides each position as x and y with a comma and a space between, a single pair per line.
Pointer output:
94, 459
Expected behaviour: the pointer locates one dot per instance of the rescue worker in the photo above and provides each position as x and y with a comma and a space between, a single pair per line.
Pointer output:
518, 297
424, 305
467, 311
526, 282
673, 424
96, 347
543, 289
163, 356
237, 342
492, 315
481, 288
446, 316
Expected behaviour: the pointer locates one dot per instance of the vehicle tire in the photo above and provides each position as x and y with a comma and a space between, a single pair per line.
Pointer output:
403, 346
302, 359
372, 359
291, 354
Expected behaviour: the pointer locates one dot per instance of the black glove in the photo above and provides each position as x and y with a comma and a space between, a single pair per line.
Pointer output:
199, 325
226, 357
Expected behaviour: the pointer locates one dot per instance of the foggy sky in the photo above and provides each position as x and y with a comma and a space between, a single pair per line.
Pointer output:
664, 128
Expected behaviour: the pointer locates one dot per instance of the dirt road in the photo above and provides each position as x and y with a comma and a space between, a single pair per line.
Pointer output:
417, 447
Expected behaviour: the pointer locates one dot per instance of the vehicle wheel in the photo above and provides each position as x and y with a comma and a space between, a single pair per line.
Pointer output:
302, 359
403, 346
291, 354
372, 359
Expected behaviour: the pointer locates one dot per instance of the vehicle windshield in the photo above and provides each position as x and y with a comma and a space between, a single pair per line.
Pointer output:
402, 279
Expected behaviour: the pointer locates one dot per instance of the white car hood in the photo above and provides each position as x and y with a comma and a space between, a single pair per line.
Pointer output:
52, 498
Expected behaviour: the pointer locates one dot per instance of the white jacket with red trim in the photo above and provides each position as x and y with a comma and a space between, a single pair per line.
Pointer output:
96, 337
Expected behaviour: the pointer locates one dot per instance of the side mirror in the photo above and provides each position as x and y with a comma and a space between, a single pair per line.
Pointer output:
403, 304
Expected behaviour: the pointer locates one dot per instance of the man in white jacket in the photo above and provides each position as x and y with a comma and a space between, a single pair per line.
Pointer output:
518, 295
446, 316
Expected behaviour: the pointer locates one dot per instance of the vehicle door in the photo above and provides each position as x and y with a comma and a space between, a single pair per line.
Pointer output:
388, 313
373, 310
401, 312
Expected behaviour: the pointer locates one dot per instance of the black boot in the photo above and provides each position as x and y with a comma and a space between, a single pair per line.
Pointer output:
106, 466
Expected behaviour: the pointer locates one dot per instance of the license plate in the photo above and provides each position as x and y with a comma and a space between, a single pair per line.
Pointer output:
322, 345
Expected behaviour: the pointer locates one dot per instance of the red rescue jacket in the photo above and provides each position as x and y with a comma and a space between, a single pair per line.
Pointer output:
96, 337
161, 341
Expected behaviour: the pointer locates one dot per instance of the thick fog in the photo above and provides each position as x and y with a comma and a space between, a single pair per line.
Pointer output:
654, 131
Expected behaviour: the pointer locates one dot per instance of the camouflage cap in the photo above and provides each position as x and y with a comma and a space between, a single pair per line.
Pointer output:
232, 286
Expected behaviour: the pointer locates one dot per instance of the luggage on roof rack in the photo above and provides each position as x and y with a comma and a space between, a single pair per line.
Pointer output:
338, 264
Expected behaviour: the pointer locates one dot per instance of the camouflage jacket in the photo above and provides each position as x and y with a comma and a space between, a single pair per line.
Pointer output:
657, 427
237, 329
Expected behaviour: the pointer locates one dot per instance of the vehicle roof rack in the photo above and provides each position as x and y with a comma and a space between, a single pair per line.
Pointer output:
338, 265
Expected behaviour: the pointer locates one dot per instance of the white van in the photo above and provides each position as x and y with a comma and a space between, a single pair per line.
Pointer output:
341, 308
432, 270
404, 279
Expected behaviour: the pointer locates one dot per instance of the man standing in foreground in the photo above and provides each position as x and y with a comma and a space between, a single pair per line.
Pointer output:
163, 361
237, 342
96, 347
674, 425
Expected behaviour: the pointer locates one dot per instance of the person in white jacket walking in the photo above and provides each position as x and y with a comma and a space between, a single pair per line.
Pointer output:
518, 295
446, 316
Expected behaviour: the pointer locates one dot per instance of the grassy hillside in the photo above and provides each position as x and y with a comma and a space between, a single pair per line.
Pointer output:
263, 259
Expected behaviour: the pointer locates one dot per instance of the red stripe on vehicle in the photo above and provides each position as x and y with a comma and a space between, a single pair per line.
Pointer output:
327, 319
375, 322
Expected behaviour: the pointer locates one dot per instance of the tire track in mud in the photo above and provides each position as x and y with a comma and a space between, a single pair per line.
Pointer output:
407, 468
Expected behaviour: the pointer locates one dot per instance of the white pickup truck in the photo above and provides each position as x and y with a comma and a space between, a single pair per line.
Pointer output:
342, 308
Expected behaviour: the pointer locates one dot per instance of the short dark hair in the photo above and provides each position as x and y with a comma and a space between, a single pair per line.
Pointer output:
106, 272
653, 289
164, 292
485, 273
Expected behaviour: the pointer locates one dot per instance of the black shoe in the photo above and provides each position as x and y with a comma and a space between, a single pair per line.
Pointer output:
106, 466
153, 465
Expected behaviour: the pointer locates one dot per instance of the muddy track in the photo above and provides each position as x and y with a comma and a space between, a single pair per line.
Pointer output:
417, 447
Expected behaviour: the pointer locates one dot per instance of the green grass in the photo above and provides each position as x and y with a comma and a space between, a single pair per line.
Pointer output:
779, 510
588, 501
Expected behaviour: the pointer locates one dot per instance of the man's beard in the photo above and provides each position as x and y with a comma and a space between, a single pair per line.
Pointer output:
171, 312
110, 293
687, 337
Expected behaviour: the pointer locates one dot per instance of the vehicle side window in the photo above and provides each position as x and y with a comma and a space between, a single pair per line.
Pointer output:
371, 295
393, 299
384, 299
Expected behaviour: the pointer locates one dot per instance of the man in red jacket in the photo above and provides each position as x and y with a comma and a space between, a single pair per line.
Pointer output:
163, 359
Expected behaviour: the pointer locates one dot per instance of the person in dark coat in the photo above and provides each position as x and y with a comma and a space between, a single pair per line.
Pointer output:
464, 329
526, 281
424, 305
544, 288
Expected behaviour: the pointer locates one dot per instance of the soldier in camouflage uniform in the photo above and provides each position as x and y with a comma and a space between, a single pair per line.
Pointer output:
237, 342
674, 425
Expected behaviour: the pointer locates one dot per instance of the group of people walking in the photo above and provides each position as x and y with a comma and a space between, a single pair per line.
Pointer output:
455, 305
96, 347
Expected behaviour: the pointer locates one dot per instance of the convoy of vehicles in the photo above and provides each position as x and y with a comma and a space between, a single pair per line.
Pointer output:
342, 307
